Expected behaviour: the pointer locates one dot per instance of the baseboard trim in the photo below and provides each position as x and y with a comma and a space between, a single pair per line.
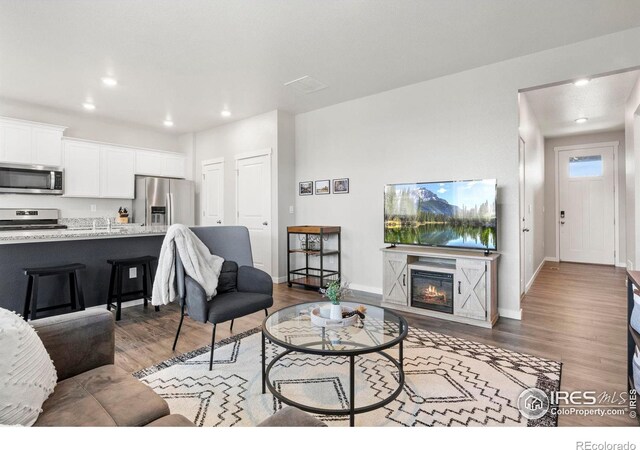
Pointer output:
279, 280
551, 259
533, 277
623, 265
363, 288
510, 313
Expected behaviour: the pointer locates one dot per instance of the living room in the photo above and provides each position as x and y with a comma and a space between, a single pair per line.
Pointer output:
282, 115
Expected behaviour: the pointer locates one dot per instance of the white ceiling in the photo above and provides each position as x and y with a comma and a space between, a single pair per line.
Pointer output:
190, 59
602, 102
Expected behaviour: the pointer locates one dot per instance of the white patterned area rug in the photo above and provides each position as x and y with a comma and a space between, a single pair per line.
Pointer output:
449, 382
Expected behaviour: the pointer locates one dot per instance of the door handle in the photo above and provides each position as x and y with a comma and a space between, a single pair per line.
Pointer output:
171, 211
265, 223
219, 221
526, 230
167, 220
404, 279
460, 287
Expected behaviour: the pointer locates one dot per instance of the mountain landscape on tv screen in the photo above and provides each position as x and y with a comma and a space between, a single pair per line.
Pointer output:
454, 214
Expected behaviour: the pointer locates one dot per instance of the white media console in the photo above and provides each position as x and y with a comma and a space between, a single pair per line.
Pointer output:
461, 286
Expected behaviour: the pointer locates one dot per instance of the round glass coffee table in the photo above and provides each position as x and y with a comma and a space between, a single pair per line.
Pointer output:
291, 329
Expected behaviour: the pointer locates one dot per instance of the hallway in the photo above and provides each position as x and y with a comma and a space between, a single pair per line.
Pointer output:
576, 313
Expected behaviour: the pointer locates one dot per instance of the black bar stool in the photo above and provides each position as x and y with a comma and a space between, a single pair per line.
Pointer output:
34, 274
118, 266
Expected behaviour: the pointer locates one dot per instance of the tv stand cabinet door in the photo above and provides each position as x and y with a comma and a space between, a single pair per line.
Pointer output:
470, 296
395, 279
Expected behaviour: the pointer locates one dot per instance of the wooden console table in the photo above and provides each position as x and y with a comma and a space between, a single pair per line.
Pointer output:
475, 282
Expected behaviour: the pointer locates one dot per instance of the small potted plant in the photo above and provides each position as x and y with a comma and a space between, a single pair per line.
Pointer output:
335, 291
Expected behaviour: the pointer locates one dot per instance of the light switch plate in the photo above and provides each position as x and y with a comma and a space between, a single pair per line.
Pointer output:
93, 208
133, 272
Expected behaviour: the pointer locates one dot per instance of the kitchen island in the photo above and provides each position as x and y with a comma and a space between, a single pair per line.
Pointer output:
88, 246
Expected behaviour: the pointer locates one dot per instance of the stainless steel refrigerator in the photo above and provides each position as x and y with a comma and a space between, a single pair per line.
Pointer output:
163, 201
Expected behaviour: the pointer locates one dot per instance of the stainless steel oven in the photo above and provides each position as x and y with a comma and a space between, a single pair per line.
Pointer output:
19, 179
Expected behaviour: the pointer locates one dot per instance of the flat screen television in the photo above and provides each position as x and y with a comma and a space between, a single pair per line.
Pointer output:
453, 214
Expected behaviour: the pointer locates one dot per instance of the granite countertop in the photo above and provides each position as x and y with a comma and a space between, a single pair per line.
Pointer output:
80, 233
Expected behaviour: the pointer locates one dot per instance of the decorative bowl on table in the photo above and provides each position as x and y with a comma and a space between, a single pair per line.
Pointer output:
319, 321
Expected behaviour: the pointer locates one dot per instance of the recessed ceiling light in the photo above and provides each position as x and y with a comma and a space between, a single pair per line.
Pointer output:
225, 113
581, 120
88, 106
109, 81
168, 123
581, 82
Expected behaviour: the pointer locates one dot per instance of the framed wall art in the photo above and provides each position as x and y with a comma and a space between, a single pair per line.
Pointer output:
323, 187
305, 188
341, 186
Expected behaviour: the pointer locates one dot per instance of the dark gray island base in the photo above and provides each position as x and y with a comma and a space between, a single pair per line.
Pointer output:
15, 256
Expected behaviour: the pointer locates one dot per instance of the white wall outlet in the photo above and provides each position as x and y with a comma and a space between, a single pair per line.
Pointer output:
291, 209
93, 208
133, 272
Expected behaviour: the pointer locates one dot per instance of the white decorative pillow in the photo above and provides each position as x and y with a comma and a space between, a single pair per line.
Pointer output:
27, 375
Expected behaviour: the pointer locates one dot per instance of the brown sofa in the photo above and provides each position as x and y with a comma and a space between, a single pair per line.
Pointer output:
92, 391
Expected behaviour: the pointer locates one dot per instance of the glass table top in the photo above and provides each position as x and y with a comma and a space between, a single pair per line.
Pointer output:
291, 327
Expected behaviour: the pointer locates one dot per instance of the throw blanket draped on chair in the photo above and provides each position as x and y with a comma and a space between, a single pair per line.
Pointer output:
196, 258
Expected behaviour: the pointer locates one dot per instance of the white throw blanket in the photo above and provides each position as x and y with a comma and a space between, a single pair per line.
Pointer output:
196, 258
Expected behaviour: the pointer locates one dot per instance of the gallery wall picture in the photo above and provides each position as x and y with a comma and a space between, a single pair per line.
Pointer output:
305, 188
323, 187
341, 186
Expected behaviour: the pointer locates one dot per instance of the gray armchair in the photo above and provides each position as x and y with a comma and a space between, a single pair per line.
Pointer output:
242, 289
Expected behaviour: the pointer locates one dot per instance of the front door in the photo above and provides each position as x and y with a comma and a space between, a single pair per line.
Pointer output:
253, 185
212, 195
586, 205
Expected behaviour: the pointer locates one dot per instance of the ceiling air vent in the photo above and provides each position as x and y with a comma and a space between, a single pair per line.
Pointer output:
306, 85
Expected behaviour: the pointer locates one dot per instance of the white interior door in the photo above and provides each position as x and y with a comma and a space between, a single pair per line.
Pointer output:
586, 205
212, 194
253, 196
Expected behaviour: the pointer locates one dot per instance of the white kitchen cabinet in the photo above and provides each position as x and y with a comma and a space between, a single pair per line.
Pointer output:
16, 143
160, 164
117, 172
150, 163
101, 170
23, 142
47, 147
81, 169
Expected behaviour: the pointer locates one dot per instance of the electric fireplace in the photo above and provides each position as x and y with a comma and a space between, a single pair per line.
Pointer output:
432, 290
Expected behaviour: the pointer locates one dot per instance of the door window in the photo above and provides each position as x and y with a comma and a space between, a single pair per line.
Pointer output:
585, 166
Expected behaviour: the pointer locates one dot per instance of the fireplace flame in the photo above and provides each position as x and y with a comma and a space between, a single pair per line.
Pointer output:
431, 293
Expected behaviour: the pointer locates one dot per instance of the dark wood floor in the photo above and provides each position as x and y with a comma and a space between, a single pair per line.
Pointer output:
573, 313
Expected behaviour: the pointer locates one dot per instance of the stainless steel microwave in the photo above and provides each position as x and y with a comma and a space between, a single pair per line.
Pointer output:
19, 179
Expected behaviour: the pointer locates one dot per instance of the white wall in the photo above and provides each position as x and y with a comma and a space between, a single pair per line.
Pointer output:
460, 126
272, 130
550, 189
286, 186
529, 130
632, 142
82, 125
